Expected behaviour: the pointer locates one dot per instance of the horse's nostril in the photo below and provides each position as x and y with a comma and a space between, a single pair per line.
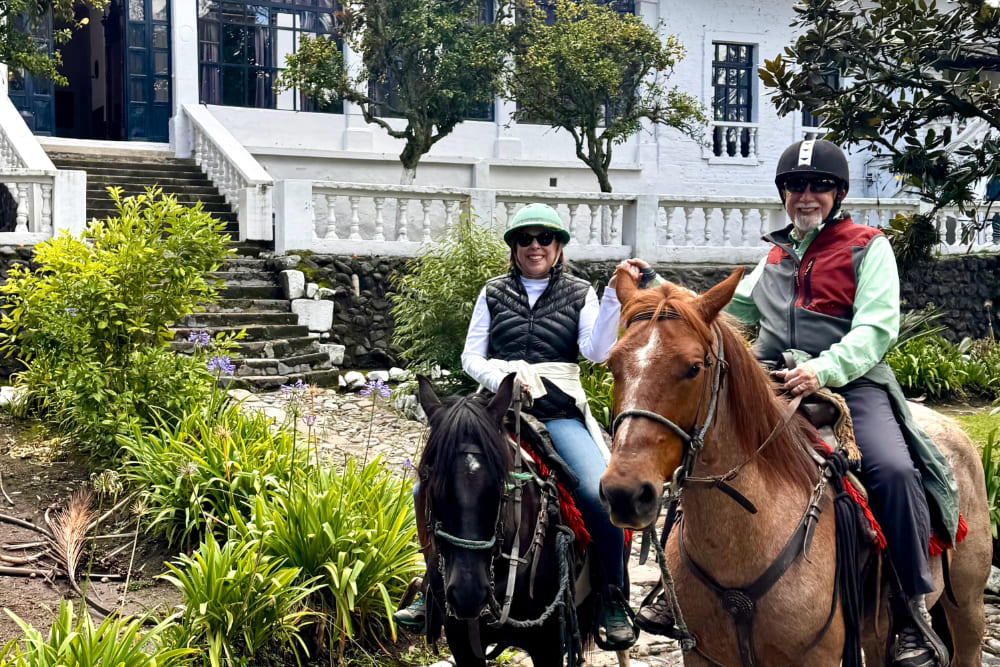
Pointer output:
646, 495
603, 497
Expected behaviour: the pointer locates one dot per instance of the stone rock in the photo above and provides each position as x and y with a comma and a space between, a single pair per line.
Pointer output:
409, 407
397, 374
293, 283
311, 289
341, 382
335, 351
353, 381
374, 376
235, 394
286, 262
326, 294
317, 315
9, 394
993, 583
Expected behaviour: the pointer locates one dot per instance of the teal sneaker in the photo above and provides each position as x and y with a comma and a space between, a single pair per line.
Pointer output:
615, 628
413, 616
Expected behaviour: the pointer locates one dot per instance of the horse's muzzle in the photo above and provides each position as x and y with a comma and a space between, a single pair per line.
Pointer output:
632, 506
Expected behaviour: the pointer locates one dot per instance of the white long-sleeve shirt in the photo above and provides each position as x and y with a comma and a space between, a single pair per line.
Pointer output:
596, 333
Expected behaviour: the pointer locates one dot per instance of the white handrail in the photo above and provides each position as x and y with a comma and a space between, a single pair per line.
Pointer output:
19, 149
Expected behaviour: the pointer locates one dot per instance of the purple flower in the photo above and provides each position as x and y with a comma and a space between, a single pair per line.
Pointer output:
407, 464
309, 420
71, 312
200, 338
297, 388
376, 386
221, 364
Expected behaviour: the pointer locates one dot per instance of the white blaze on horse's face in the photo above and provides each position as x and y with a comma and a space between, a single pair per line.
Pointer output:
472, 464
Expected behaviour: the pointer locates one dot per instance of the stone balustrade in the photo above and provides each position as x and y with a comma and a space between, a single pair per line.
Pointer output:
244, 183
733, 141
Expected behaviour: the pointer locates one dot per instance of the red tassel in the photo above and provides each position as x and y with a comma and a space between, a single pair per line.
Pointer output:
570, 512
863, 504
937, 545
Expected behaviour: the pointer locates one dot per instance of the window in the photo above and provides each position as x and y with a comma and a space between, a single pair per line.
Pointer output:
811, 119
733, 83
242, 49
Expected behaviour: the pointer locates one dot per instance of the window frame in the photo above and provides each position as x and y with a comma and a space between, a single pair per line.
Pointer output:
755, 42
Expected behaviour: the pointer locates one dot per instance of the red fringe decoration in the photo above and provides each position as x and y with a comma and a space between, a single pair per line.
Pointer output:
879, 539
570, 512
938, 545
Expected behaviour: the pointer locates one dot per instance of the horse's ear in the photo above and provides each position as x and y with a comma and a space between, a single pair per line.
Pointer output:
429, 400
501, 400
625, 286
715, 299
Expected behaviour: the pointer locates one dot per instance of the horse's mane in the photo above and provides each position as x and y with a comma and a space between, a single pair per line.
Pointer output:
749, 399
462, 421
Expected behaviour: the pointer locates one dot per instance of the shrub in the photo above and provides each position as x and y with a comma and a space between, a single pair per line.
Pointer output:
599, 386
91, 323
434, 298
73, 640
240, 607
208, 465
355, 531
929, 365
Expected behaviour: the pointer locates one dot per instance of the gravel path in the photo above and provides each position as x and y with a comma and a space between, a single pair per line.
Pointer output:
351, 425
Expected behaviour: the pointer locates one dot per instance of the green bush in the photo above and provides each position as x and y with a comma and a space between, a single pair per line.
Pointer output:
240, 607
929, 365
73, 641
434, 298
91, 323
208, 466
599, 386
992, 470
355, 531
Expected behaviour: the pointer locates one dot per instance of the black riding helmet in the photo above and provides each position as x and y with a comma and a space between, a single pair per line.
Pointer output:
814, 157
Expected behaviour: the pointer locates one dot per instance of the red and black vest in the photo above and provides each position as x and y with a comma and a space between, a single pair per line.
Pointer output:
808, 305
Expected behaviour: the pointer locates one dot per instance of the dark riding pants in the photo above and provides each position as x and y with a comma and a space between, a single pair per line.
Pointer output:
896, 494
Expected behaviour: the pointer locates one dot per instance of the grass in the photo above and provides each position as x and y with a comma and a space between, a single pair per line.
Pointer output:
979, 426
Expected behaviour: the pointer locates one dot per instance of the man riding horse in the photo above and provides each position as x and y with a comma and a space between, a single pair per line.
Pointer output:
828, 293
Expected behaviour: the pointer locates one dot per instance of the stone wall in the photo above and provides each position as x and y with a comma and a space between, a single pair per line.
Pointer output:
961, 287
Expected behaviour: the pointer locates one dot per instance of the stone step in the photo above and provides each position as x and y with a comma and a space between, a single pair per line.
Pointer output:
321, 378
105, 209
166, 180
303, 363
208, 199
247, 277
261, 349
122, 168
250, 249
237, 320
249, 305
204, 188
235, 264
251, 292
101, 201
254, 332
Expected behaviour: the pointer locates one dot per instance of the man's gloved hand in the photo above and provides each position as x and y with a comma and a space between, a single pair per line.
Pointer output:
799, 381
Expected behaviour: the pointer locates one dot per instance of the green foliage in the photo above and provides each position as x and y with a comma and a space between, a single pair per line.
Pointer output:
919, 323
355, 532
208, 467
992, 471
91, 323
434, 62
979, 425
913, 238
24, 30
599, 386
929, 365
240, 607
597, 74
903, 66
434, 297
73, 641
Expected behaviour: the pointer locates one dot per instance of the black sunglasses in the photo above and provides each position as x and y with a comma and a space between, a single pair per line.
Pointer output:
817, 185
545, 238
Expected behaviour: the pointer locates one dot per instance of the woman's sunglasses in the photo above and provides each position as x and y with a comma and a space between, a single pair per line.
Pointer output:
545, 238
817, 185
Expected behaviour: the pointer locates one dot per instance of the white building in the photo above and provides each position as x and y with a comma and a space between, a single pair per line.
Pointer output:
195, 77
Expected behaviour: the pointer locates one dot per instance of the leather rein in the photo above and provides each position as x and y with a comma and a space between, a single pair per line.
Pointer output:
740, 603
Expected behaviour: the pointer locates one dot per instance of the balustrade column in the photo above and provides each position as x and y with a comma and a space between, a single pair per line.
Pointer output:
379, 221
688, 232
331, 217
355, 225
22, 207
668, 214
727, 213
401, 219
46, 210
744, 231
425, 223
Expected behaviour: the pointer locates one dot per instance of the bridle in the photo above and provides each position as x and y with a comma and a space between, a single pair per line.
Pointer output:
694, 439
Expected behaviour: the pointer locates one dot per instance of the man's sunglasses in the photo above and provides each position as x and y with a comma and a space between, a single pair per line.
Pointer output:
817, 185
545, 238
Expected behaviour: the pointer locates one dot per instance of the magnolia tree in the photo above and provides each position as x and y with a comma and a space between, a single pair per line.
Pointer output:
597, 74
20, 20
880, 74
425, 65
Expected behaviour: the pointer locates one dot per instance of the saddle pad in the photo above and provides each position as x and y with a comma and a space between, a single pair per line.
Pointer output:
570, 513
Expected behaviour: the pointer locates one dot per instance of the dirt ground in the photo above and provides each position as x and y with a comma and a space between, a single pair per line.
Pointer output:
34, 480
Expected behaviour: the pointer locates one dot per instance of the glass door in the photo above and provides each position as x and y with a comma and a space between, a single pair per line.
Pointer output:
147, 69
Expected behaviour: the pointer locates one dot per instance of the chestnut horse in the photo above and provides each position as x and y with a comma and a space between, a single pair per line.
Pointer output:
667, 368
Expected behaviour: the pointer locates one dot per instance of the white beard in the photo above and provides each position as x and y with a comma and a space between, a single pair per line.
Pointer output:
806, 222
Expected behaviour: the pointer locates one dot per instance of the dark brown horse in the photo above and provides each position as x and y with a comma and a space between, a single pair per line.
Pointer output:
668, 365
478, 510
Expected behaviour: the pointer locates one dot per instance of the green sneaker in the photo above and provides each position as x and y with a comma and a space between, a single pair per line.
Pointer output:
615, 629
413, 616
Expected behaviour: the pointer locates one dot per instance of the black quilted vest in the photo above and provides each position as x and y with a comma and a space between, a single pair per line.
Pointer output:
548, 332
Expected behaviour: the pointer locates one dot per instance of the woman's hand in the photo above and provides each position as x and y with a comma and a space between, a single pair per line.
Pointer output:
631, 266
799, 381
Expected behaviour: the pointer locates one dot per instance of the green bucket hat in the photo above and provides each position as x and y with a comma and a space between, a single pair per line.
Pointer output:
537, 215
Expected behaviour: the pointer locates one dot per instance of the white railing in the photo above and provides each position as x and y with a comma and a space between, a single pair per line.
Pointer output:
39, 197
733, 140
394, 220
233, 170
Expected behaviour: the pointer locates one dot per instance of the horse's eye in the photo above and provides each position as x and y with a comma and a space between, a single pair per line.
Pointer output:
693, 371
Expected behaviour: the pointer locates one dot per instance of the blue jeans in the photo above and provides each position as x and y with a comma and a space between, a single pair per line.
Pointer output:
578, 449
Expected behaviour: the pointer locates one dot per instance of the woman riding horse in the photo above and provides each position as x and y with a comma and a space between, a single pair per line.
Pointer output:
535, 321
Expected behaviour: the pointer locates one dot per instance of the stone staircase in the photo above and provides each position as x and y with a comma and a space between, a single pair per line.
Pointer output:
277, 350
